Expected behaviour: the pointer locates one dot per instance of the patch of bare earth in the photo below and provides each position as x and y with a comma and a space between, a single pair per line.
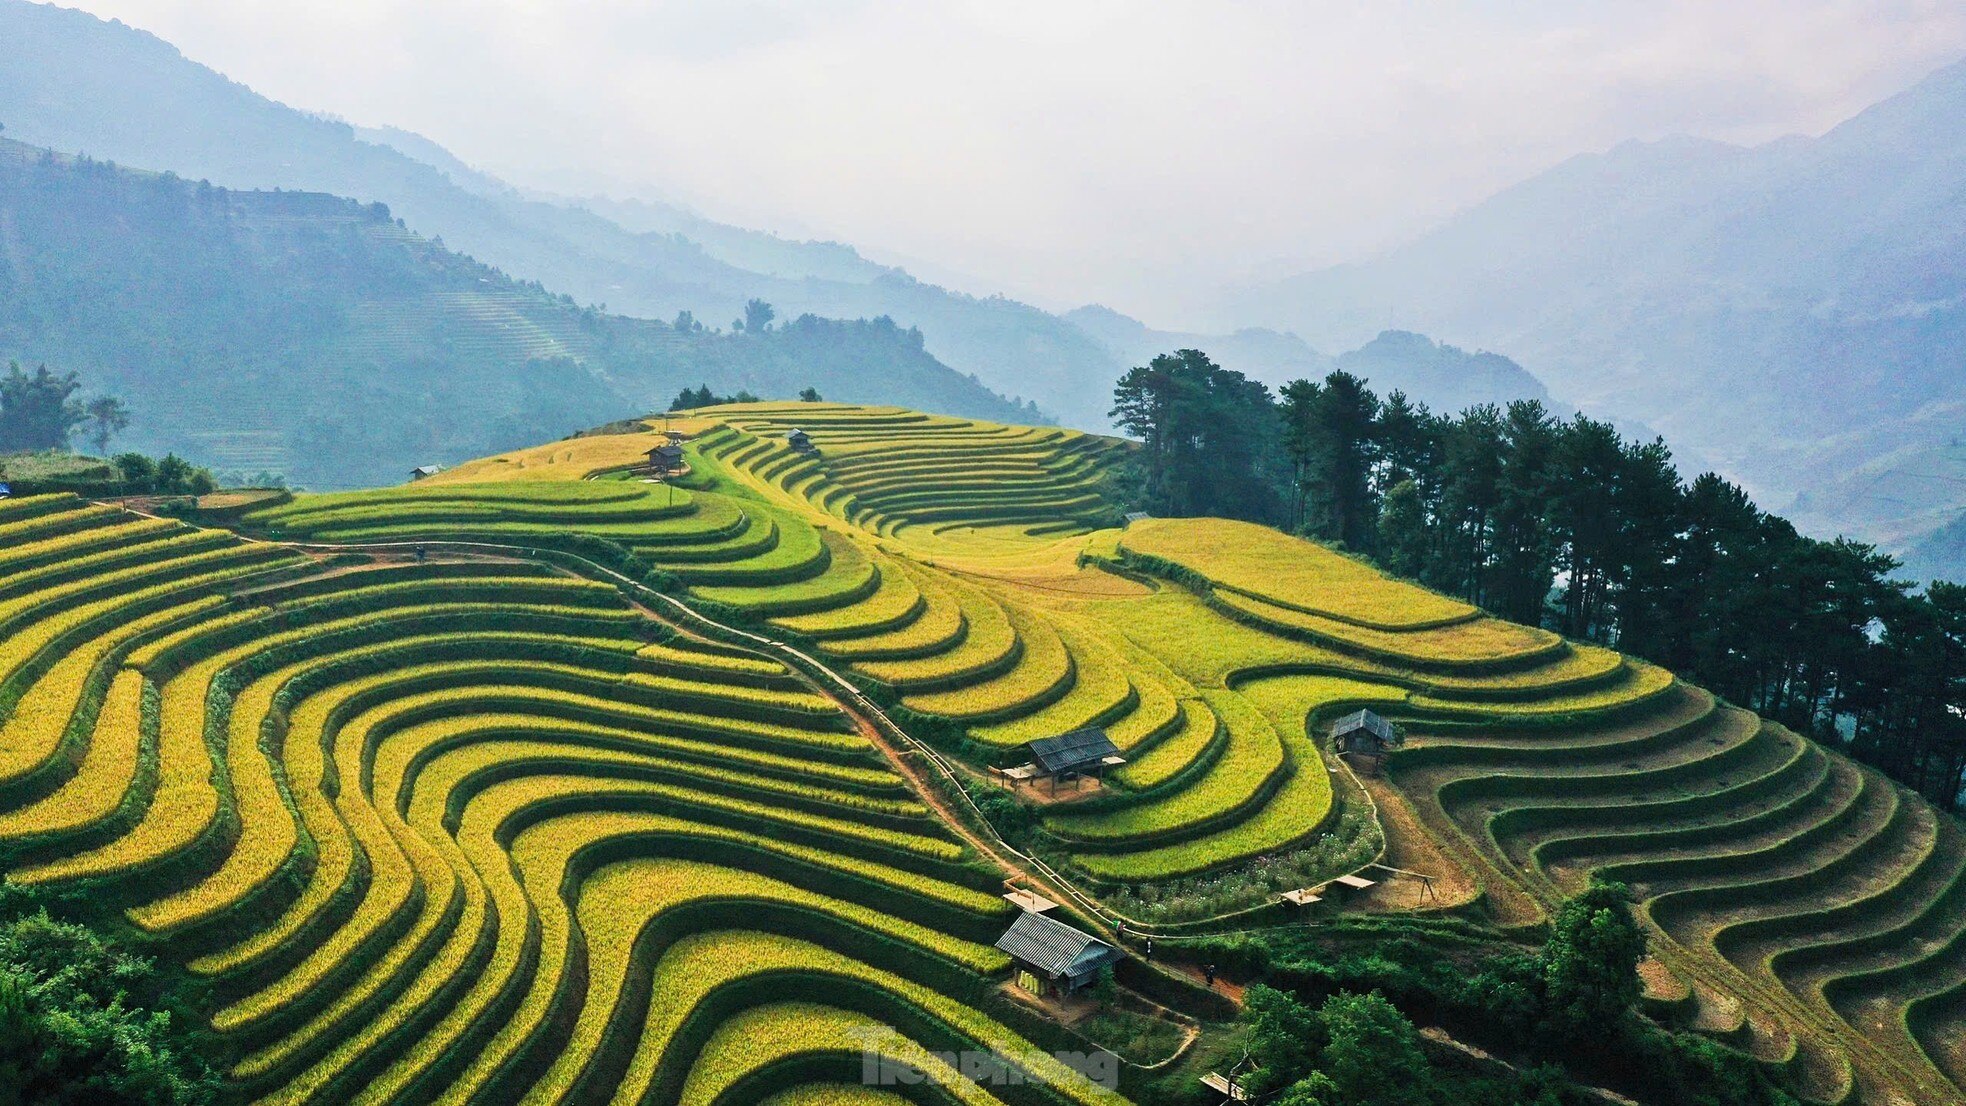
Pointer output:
1410, 846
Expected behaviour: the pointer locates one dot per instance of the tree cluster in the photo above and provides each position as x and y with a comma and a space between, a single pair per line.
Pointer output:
757, 317
701, 396
169, 475
1335, 1032
1568, 525
39, 410
1207, 435
83, 1020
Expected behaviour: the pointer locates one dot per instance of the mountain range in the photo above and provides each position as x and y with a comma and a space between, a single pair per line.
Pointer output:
77, 83
1447, 378
319, 338
1792, 314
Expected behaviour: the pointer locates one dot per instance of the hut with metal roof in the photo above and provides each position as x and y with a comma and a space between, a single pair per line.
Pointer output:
1364, 733
1074, 756
1057, 956
666, 458
800, 441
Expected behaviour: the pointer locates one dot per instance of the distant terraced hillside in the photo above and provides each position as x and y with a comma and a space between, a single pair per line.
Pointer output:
370, 778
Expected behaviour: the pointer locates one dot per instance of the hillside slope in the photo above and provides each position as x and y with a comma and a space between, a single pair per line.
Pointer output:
1794, 313
315, 336
1802, 906
477, 828
483, 826
1940, 555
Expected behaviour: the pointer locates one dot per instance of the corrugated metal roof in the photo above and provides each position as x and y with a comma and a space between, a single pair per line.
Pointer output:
1074, 750
1367, 721
1051, 947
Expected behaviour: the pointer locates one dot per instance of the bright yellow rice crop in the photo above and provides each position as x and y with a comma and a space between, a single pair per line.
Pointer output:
1291, 572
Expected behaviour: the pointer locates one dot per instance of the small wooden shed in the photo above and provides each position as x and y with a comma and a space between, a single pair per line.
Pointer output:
666, 458
1364, 733
800, 441
1055, 955
423, 471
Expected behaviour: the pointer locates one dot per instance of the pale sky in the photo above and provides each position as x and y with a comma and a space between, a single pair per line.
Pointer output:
1136, 154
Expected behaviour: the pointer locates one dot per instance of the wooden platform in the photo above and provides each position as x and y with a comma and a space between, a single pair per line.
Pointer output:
1030, 901
1217, 1082
1303, 896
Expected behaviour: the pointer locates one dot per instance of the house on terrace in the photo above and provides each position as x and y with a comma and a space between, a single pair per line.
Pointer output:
1052, 956
1365, 734
666, 458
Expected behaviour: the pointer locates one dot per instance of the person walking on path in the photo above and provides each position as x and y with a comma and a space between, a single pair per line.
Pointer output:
1209, 973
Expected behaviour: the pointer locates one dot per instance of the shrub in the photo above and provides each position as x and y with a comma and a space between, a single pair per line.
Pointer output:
80, 1023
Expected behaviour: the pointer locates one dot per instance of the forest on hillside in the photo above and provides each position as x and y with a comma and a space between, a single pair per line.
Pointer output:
1568, 525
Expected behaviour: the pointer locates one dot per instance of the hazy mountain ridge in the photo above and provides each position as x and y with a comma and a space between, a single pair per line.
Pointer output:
1445, 378
1262, 354
750, 250
1789, 313
316, 336
117, 93
1940, 555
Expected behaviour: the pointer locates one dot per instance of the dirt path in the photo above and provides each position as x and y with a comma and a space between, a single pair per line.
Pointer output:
1222, 986
1410, 846
908, 766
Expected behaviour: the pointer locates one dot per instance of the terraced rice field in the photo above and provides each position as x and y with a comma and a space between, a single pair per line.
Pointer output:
1783, 880
1214, 632
544, 759
478, 830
